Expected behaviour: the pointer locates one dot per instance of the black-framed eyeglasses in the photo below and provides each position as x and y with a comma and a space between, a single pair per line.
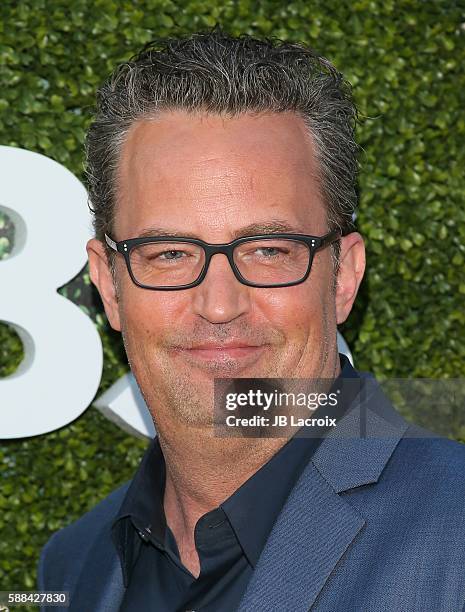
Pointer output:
168, 263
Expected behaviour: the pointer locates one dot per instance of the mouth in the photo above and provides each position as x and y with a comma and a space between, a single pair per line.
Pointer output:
231, 357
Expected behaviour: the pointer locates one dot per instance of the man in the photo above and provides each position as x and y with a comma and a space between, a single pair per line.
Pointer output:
213, 140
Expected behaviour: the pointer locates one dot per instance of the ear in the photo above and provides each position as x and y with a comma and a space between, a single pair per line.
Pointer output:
100, 275
351, 270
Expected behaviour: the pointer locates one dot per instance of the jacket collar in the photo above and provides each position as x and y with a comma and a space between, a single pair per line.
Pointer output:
356, 453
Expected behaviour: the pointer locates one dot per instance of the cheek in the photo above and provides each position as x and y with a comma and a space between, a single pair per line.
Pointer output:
292, 309
149, 314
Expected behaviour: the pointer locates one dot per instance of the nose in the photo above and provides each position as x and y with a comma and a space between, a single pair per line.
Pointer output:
220, 297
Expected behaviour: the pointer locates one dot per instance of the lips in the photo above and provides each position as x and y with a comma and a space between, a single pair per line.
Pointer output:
222, 346
209, 351
237, 354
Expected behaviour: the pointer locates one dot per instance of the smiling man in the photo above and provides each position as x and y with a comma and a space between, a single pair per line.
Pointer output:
222, 178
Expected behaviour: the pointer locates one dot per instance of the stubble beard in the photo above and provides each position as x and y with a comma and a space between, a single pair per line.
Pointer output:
191, 400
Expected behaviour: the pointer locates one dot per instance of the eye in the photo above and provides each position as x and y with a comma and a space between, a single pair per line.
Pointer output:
171, 254
270, 251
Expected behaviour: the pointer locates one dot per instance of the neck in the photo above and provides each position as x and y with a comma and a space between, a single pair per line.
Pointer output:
201, 473
206, 470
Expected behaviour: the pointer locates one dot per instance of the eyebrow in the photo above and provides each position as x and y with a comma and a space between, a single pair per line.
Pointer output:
274, 226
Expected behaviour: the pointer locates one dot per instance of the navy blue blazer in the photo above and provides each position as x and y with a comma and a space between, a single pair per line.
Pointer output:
374, 524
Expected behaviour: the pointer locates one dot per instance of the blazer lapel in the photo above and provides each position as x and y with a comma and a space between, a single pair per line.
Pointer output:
316, 526
311, 534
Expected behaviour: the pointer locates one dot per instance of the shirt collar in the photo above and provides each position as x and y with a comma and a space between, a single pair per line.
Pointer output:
142, 508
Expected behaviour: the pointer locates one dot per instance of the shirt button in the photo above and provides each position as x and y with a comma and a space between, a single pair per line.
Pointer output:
145, 535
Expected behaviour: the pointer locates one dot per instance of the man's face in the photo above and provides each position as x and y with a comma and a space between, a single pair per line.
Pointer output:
216, 179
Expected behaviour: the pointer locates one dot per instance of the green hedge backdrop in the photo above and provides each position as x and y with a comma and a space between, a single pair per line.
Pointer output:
405, 60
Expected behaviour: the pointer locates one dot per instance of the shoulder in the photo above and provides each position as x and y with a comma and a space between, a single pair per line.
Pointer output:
75, 540
436, 462
421, 458
423, 485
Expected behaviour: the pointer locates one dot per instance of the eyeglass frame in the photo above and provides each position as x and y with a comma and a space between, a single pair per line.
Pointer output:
314, 244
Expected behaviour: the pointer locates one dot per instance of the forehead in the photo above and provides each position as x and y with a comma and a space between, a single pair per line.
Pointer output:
200, 164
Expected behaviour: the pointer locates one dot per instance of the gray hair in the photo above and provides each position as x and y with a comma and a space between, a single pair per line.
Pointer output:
215, 72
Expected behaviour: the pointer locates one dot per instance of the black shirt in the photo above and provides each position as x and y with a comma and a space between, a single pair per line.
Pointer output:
229, 539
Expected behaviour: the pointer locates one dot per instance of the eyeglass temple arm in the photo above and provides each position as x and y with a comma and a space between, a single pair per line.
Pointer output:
111, 243
331, 237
